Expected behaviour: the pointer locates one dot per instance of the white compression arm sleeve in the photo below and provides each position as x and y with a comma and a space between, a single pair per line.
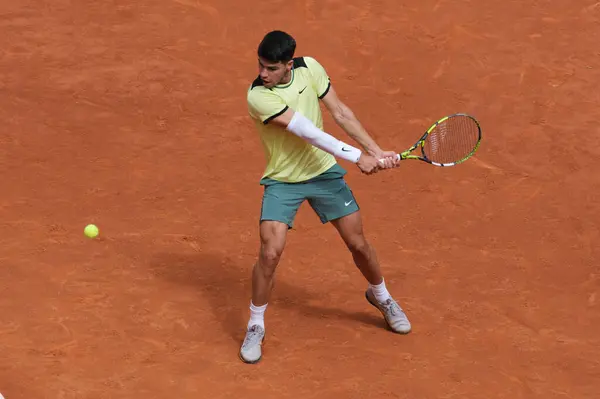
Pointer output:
304, 128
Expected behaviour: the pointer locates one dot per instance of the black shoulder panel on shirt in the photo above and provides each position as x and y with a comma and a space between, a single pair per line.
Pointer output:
299, 62
257, 82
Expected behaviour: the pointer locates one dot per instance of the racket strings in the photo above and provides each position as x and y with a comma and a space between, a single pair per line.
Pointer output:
452, 140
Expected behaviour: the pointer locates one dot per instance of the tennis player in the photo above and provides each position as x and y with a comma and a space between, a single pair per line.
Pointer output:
284, 102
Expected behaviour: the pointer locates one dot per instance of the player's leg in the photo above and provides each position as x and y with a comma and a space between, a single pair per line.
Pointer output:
279, 206
334, 202
351, 230
272, 243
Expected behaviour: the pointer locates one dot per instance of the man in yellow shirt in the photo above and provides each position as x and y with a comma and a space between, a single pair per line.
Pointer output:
284, 102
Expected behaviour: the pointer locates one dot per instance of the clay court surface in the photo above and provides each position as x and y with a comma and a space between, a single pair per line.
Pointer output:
132, 116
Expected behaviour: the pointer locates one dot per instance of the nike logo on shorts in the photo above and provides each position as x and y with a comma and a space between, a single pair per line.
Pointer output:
348, 203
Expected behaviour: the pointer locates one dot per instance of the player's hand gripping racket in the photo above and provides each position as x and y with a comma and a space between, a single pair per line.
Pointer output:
448, 142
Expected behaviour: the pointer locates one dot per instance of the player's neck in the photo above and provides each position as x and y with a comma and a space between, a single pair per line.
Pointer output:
287, 78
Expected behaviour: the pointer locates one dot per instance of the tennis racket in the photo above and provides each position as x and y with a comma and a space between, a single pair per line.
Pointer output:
451, 140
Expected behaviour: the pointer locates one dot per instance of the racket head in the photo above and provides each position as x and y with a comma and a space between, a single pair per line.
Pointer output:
451, 140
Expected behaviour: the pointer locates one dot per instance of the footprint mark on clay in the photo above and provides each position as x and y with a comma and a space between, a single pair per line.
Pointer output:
440, 71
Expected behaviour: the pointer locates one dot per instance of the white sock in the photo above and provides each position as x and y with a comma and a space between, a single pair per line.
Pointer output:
257, 315
381, 293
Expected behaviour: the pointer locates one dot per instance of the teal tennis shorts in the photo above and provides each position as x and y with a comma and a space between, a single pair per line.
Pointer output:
328, 195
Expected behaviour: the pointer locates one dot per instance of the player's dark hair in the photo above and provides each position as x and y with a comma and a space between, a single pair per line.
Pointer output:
277, 46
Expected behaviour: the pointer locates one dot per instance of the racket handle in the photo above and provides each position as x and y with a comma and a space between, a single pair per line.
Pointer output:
397, 156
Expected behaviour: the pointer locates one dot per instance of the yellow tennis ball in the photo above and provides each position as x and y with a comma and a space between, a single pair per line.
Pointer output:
90, 231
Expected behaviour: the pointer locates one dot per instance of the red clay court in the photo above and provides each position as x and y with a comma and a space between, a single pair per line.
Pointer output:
132, 116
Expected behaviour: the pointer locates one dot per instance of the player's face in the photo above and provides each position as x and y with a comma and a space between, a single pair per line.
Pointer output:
273, 74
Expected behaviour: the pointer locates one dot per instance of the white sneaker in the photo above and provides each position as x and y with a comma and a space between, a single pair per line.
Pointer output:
251, 350
392, 313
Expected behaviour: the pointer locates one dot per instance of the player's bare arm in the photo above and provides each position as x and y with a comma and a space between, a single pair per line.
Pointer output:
305, 129
347, 120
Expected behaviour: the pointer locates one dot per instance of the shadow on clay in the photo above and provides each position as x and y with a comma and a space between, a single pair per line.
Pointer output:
226, 286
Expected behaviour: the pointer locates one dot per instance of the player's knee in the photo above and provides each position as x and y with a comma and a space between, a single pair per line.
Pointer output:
270, 258
358, 245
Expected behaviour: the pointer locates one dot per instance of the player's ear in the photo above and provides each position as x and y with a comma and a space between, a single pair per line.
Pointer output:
289, 65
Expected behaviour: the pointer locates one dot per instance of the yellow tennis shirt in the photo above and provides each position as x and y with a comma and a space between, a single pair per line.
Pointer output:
289, 158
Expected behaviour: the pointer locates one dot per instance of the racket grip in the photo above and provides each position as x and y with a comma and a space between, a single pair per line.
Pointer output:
397, 156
